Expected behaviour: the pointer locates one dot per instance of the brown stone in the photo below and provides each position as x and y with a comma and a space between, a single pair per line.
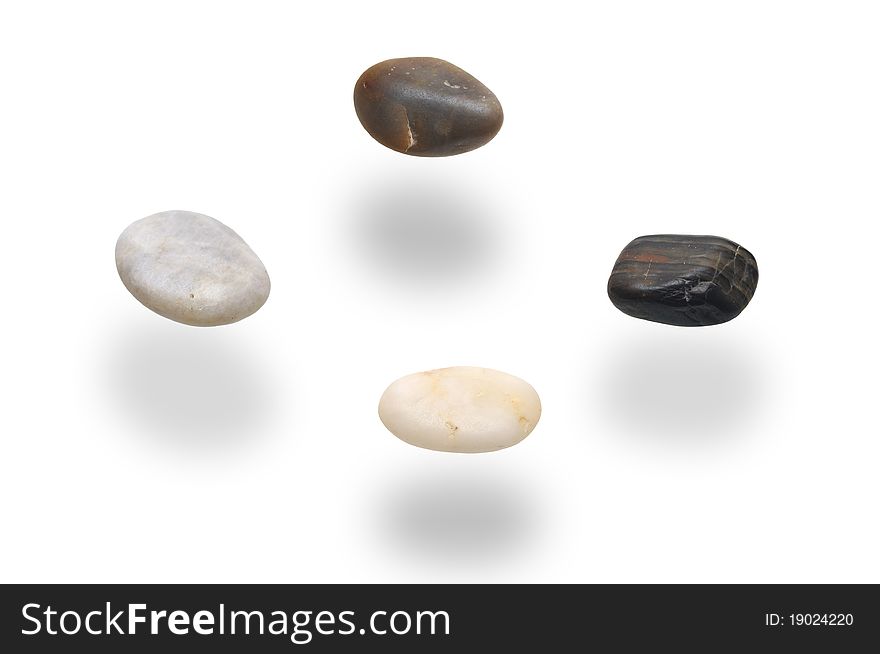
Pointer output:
426, 107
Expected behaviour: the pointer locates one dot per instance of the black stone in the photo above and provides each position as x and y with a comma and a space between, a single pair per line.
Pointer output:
426, 107
683, 280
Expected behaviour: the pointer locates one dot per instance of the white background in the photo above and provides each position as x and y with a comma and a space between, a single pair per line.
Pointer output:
139, 450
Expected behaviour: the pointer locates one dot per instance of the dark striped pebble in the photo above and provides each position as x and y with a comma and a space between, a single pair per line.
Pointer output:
689, 281
426, 107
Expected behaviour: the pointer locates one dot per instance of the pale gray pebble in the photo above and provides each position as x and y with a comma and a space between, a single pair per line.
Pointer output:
191, 268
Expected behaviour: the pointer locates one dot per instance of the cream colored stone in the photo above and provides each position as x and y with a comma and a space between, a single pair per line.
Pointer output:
191, 268
460, 409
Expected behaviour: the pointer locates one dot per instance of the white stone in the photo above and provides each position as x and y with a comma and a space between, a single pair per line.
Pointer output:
191, 268
460, 409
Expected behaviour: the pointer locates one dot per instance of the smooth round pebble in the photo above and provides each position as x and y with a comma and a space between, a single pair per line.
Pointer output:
460, 409
191, 268
426, 107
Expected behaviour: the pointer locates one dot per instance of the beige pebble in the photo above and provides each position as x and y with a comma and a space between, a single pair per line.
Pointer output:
460, 409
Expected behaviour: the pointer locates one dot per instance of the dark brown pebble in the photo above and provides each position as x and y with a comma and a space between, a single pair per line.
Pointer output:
683, 280
426, 107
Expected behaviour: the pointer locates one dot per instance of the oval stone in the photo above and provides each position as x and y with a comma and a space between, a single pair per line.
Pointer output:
461, 409
682, 280
426, 107
191, 268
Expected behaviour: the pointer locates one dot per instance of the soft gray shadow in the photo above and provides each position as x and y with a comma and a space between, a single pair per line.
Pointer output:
424, 228
189, 386
682, 387
459, 518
